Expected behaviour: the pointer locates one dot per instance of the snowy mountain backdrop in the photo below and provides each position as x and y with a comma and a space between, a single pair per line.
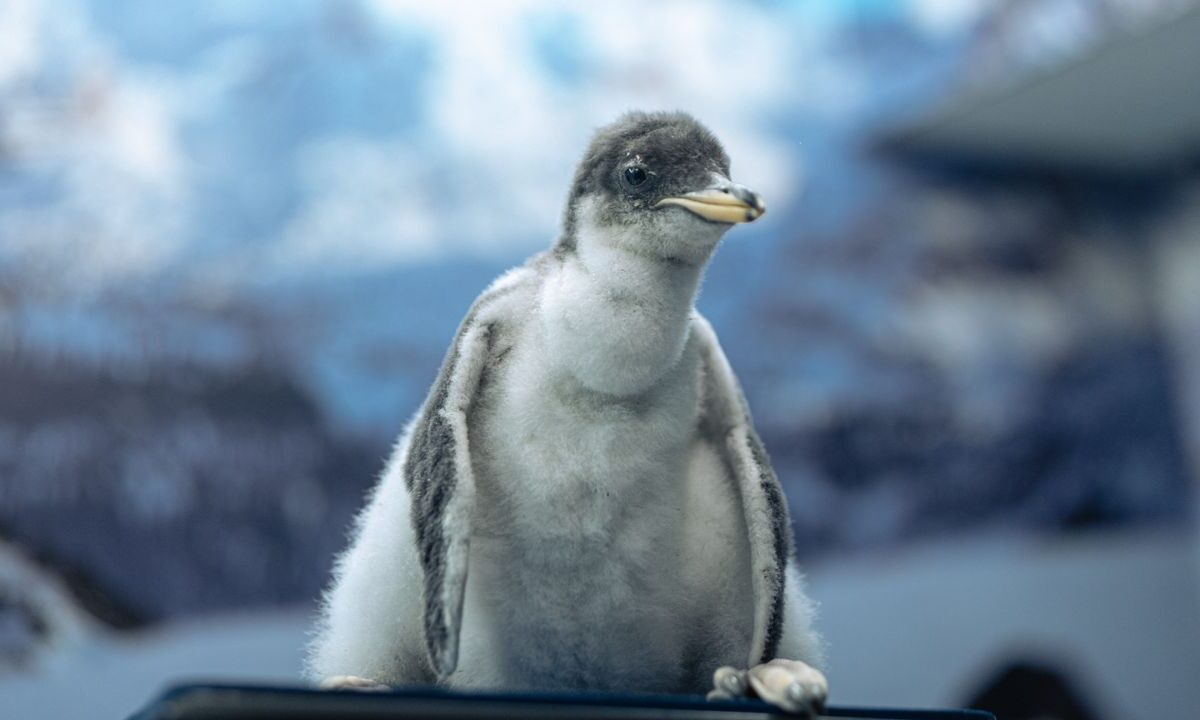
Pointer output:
236, 238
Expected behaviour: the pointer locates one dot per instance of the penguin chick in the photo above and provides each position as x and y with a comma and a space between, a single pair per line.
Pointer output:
582, 502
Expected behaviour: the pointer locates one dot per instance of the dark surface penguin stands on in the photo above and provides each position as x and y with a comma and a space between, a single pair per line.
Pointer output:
247, 702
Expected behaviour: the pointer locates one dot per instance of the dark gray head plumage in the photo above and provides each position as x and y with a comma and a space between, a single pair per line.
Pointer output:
644, 162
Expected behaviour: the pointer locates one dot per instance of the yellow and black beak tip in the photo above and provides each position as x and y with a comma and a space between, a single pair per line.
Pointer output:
724, 202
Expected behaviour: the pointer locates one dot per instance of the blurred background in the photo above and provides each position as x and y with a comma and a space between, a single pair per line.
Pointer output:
236, 239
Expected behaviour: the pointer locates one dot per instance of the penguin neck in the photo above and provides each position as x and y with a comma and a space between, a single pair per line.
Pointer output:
617, 319
667, 286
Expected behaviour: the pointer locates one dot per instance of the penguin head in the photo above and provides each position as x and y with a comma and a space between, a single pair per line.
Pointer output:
656, 184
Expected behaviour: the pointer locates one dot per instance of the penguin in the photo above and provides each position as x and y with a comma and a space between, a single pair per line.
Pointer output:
582, 502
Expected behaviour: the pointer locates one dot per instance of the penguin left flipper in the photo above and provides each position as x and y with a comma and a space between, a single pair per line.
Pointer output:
725, 422
789, 683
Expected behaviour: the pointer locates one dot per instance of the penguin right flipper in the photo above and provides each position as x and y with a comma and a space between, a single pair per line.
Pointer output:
438, 474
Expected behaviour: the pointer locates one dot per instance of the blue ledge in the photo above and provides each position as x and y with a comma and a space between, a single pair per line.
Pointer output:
246, 702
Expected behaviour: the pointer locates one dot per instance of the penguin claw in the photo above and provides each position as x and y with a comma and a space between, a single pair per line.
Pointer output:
806, 699
730, 680
790, 685
352, 682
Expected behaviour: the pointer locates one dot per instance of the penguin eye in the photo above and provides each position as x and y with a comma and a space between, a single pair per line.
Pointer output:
636, 175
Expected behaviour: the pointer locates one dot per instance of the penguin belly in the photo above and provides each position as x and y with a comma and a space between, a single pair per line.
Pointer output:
579, 524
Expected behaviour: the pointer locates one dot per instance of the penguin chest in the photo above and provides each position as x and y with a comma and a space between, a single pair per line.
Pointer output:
579, 522
576, 462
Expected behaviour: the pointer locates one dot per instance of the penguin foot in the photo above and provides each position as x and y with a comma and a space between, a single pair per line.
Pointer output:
788, 684
352, 682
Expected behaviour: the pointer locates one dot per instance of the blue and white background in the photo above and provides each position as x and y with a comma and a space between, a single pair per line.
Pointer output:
236, 239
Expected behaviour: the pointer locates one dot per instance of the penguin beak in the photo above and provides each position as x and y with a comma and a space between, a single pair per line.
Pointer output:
723, 201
